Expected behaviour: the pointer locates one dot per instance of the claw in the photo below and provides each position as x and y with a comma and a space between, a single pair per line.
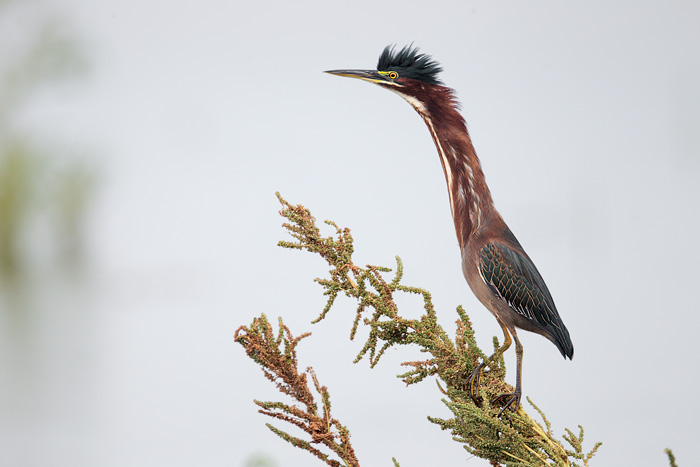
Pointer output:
472, 385
510, 400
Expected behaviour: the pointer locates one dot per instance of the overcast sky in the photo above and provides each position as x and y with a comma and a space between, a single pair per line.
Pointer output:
585, 116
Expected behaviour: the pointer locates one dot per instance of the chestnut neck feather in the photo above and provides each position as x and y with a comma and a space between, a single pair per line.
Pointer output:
470, 198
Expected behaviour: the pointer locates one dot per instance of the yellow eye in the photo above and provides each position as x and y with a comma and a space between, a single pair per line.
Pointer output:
393, 75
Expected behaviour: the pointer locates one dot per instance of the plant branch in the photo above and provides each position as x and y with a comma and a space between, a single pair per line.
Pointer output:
517, 440
276, 354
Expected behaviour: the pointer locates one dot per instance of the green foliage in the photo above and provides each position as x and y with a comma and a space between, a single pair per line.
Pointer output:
276, 354
260, 460
34, 184
16, 171
516, 440
671, 457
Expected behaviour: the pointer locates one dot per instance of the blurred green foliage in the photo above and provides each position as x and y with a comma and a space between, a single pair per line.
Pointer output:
260, 460
38, 184
15, 191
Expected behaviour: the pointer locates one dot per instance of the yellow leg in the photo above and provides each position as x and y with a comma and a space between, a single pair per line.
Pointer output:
512, 401
472, 383
506, 341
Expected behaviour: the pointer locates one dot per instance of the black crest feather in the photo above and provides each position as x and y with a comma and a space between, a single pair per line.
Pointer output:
408, 63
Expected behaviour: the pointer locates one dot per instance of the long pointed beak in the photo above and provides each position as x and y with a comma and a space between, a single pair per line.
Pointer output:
366, 75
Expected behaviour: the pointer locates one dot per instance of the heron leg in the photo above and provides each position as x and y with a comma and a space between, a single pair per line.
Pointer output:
474, 379
512, 401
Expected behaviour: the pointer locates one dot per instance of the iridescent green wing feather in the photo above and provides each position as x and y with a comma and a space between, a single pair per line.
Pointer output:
513, 277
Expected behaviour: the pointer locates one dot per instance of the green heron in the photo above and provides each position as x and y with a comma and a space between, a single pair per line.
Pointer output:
497, 269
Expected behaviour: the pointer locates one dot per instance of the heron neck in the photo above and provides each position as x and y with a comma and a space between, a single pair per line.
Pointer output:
470, 198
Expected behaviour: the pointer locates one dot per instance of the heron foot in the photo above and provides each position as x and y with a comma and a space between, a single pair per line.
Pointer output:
472, 385
510, 401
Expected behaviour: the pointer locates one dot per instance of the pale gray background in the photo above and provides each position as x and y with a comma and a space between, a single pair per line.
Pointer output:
585, 116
